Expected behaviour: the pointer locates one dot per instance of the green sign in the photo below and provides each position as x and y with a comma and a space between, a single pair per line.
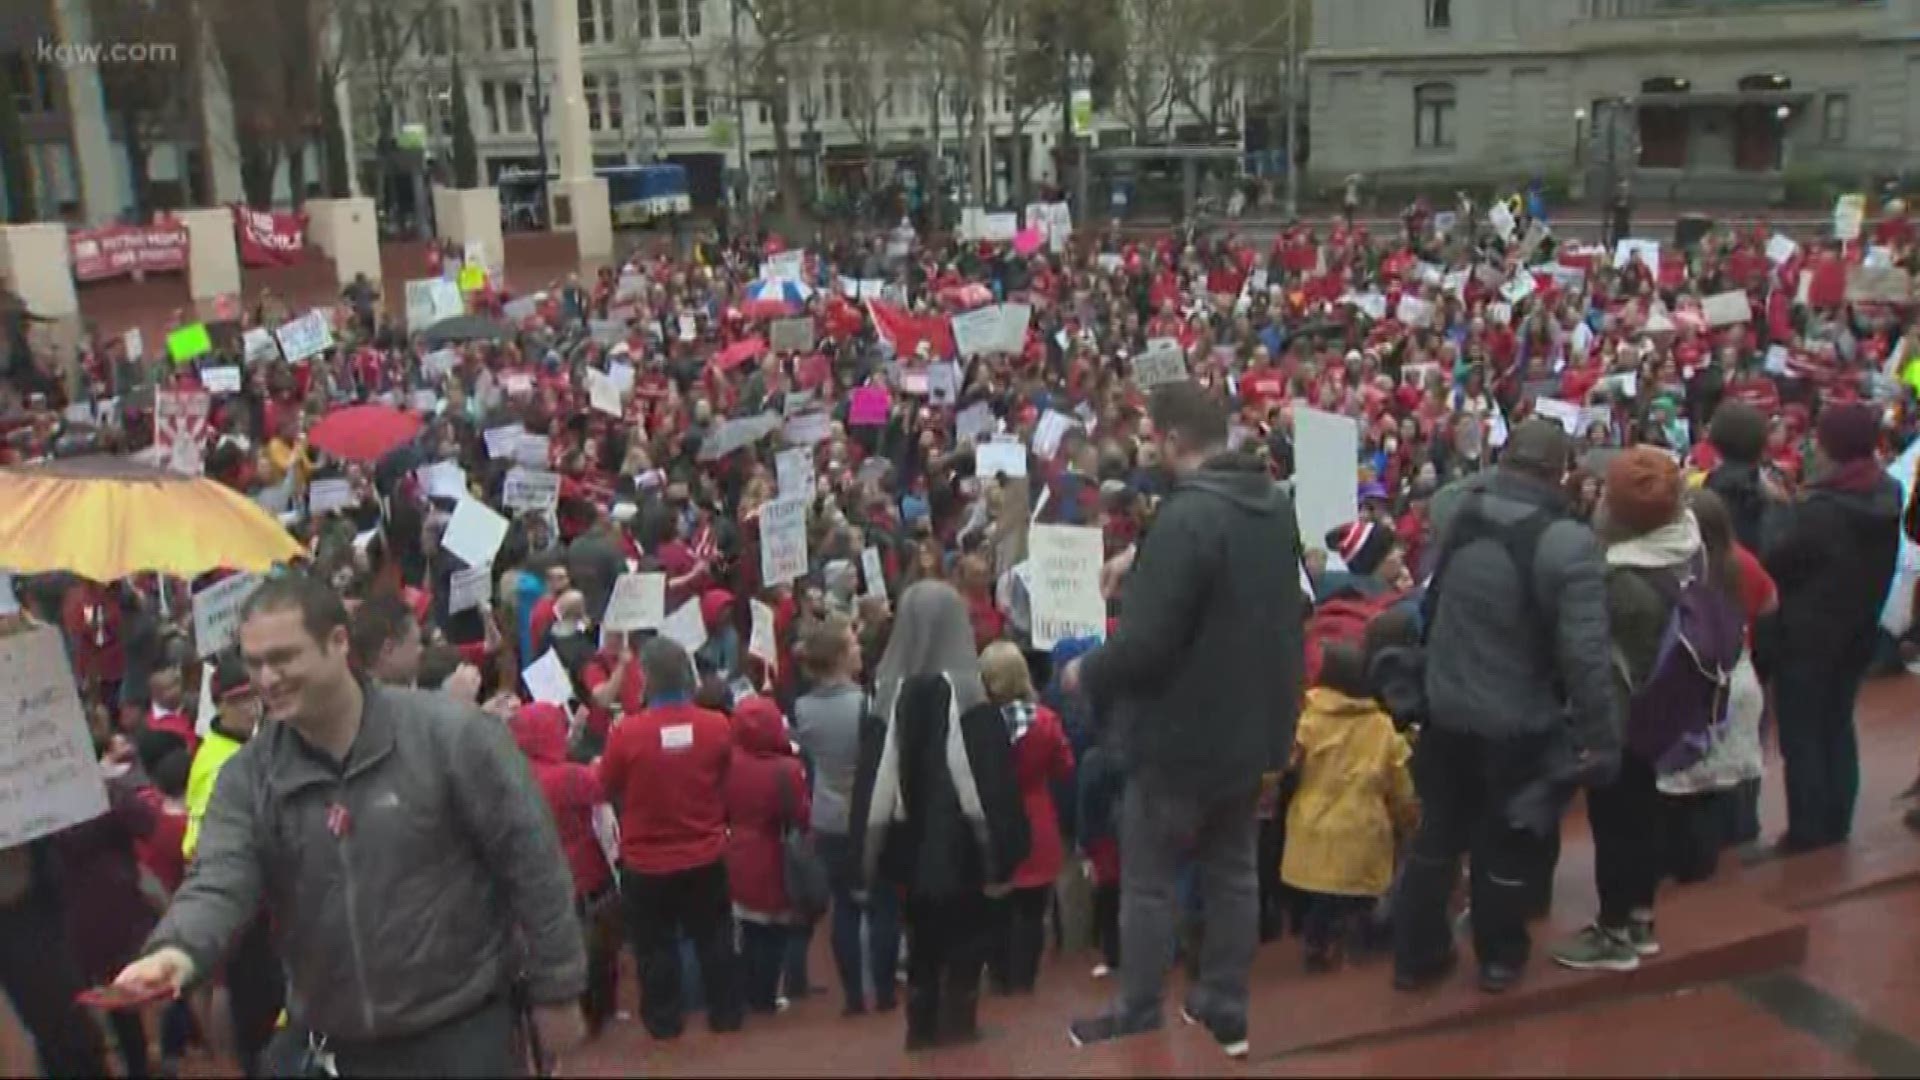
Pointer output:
189, 342
1082, 112
720, 133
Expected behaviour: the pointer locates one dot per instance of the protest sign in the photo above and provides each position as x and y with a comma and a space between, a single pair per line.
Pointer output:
977, 332
1000, 459
807, 429
638, 602
1780, 249
1501, 218
1646, 252
502, 441
794, 470
221, 380
602, 394
1012, 332
1064, 583
469, 588
868, 406
431, 300
189, 343
762, 644
533, 450
530, 489
1325, 447
474, 533
873, 573
1727, 309
216, 612
783, 540
1564, 413
180, 429
547, 680
791, 335
784, 266
305, 337
1869, 285
258, 347
1047, 434
1414, 312
943, 384
686, 627
1849, 212
49, 775
444, 480
975, 422
1164, 361
326, 496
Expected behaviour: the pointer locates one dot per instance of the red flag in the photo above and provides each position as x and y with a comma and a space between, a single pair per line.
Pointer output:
905, 332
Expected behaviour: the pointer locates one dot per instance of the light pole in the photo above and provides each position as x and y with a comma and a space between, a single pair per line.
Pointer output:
1293, 109
1080, 79
1577, 183
740, 109
539, 105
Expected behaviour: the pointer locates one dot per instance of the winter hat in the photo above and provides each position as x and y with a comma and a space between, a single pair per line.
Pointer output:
230, 676
1362, 545
1643, 490
1739, 431
1848, 432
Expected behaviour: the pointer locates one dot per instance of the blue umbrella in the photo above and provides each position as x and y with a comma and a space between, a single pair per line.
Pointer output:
787, 292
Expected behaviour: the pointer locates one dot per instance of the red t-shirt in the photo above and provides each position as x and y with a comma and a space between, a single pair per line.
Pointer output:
665, 770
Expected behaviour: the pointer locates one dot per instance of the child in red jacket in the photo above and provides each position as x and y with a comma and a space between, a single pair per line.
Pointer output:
1042, 758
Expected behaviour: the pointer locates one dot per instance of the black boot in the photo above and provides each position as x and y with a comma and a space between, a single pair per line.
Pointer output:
959, 1013
923, 1018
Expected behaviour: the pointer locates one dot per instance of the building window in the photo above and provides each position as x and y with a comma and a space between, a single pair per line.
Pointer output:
616, 108
1439, 14
690, 16
1837, 111
443, 108
516, 107
490, 105
506, 18
439, 30
596, 21
666, 16
649, 102
673, 99
590, 91
1433, 111
702, 100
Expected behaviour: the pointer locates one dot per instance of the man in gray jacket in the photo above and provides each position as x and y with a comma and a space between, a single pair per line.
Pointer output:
1521, 706
404, 852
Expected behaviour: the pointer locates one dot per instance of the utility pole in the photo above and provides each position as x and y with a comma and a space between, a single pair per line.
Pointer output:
1293, 108
745, 186
540, 125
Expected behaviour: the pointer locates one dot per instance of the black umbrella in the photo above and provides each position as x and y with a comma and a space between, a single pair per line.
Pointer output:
463, 328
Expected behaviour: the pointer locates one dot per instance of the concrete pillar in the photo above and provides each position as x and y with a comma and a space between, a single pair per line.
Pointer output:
343, 104
220, 139
346, 230
579, 200
472, 216
213, 256
36, 259
94, 156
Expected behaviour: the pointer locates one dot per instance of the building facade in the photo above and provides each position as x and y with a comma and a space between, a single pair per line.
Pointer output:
1687, 99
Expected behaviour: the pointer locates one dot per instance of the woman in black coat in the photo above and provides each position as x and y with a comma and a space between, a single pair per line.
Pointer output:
937, 811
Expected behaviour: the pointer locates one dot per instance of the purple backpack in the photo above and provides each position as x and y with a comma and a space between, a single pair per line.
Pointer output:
1672, 715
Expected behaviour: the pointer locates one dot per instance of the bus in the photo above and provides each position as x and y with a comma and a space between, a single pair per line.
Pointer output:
637, 195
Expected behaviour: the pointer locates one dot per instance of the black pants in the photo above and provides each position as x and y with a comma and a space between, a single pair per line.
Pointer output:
948, 941
1331, 920
600, 923
659, 908
130, 1039
1465, 784
483, 1043
763, 960
42, 981
1627, 848
1819, 748
1019, 937
1273, 836
1106, 922
256, 992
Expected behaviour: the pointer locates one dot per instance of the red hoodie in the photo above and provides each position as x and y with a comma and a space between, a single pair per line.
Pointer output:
665, 771
571, 791
766, 795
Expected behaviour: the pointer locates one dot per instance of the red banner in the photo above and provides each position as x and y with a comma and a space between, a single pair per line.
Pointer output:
906, 332
118, 250
269, 237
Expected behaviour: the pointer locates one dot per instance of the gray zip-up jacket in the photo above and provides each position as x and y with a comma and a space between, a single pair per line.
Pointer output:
1492, 668
412, 908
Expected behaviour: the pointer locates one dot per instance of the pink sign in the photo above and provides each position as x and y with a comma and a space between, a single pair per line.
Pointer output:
869, 406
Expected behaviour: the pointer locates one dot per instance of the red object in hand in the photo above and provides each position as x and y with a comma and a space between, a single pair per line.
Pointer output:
120, 999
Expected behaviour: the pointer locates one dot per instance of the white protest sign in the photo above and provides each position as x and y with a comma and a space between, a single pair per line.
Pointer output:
326, 496
49, 777
761, 642
1780, 249
216, 612
977, 332
1519, 288
794, 469
520, 310
602, 394
1501, 218
256, 345
1849, 213
1014, 320
1326, 456
474, 533
1564, 413
180, 429
530, 489
534, 450
1064, 567
469, 588
432, 300
1000, 459
807, 429
1727, 308
1052, 428
785, 266
975, 422
1647, 252
221, 380
1414, 312
943, 384
790, 335
1164, 361
501, 441
638, 602
440, 363
305, 337
686, 627
547, 680
783, 540
444, 480
136, 344
873, 573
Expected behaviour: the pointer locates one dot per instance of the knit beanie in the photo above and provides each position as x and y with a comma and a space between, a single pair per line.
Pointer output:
1848, 432
1643, 490
1361, 545
1738, 431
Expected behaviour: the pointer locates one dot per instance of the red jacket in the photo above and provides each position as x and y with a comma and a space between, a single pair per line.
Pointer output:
766, 795
571, 790
1042, 757
665, 771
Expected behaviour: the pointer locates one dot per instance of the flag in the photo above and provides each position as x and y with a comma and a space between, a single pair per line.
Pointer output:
905, 332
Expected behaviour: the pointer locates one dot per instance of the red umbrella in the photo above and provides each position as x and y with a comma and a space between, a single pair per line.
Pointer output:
739, 353
971, 295
364, 432
766, 309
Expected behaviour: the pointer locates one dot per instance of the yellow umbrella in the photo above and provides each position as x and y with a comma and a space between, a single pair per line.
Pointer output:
108, 518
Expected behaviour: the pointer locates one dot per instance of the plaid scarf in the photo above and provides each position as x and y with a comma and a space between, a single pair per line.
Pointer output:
1019, 716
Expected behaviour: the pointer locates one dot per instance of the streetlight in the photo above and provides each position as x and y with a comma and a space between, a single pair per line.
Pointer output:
1577, 184
539, 105
1079, 81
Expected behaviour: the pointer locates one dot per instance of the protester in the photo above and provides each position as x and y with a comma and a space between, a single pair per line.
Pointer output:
766, 797
1041, 759
1205, 697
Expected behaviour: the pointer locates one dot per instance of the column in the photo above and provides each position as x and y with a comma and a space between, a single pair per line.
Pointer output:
343, 104
93, 153
579, 199
37, 260
213, 256
347, 230
220, 141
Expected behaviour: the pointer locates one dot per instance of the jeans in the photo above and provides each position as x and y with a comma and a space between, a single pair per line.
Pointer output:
1814, 704
1019, 937
660, 907
879, 912
763, 960
1466, 784
1159, 831
1627, 847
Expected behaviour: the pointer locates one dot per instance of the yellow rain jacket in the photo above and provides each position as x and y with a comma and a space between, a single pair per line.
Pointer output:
214, 752
1355, 798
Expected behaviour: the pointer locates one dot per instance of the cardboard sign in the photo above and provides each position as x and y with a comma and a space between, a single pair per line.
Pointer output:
530, 489
49, 775
1064, 583
180, 429
469, 588
794, 469
783, 540
216, 613
189, 343
258, 347
638, 602
791, 335
305, 337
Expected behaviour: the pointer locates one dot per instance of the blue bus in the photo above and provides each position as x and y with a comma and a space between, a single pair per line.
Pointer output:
637, 195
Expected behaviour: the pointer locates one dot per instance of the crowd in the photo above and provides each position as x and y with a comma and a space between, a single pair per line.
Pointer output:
1600, 528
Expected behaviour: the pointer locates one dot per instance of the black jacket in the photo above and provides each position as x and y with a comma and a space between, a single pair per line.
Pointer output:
1833, 556
1738, 485
1202, 677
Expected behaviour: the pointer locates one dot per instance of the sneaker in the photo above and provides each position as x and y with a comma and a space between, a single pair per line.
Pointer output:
1101, 971
1231, 1037
1106, 1028
1598, 949
1640, 936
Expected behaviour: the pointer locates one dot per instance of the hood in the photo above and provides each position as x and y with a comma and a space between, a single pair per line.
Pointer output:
1671, 544
1240, 480
540, 730
1874, 498
1324, 699
759, 729
714, 605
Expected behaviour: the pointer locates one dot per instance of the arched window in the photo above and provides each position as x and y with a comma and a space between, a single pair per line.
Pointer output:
1433, 116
